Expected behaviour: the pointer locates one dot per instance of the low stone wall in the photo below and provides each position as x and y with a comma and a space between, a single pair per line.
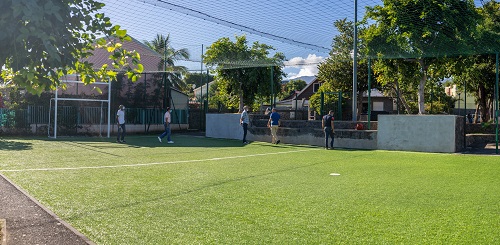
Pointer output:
291, 131
426, 133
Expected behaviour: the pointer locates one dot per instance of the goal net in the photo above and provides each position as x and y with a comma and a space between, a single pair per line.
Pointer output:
71, 114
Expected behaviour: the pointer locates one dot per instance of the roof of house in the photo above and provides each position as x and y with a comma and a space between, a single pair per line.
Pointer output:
149, 58
306, 92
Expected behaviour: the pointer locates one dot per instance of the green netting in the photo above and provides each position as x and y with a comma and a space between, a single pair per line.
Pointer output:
298, 28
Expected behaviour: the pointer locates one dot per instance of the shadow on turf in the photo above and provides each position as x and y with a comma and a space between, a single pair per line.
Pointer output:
12, 145
140, 141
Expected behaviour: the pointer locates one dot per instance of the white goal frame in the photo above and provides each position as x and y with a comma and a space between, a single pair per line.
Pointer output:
56, 99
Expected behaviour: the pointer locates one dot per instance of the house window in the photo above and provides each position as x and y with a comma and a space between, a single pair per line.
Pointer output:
378, 106
316, 87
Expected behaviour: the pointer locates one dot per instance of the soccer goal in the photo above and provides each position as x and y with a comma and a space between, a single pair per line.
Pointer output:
75, 116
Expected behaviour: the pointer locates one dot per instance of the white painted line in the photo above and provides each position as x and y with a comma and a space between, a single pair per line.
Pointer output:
154, 163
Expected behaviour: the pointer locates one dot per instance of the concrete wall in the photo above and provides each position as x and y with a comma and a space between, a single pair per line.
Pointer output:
425, 133
227, 126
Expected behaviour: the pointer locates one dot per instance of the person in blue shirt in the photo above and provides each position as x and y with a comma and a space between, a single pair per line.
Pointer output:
273, 124
244, 120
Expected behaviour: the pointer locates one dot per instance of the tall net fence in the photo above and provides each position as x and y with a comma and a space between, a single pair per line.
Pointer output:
303, 30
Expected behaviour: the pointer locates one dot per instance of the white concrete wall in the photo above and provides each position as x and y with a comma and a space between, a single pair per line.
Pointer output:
226, 126
425, 133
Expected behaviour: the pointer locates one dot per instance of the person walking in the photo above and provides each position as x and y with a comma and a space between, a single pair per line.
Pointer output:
120, 120
273, 124
244, 120
167, 119
328, 127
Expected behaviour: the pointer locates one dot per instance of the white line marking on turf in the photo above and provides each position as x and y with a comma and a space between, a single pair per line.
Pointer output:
154, 163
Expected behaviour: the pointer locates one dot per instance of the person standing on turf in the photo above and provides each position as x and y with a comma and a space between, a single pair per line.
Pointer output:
166, 122
328, 127
244, 120
120, 120
273, 124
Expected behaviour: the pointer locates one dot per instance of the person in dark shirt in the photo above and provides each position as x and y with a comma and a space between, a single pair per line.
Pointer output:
328, 127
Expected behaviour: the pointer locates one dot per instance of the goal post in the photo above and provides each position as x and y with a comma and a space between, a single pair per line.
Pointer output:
56, 99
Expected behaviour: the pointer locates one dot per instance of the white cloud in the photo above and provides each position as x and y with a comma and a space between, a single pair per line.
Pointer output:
307, 66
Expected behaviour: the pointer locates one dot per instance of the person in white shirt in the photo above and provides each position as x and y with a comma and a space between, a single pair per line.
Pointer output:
166, 122
120, 120
244, 121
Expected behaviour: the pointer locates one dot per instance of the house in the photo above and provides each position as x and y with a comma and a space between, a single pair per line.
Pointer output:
202, 91
300, 99
380, 104
146, 93
145, 85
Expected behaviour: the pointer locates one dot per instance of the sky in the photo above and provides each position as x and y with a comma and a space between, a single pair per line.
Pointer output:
300, 29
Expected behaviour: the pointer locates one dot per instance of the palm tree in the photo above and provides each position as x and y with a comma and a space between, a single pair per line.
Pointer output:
161, 44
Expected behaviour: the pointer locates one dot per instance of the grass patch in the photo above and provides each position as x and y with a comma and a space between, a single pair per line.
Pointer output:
214, 191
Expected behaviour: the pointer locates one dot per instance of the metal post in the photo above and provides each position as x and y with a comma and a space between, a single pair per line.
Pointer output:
109, 107
296, 105
369, 92
496, 107
55, 116
201, 89
355, 65
322, 102
165, 76
272, 88
465, 96
208, 81
339, 107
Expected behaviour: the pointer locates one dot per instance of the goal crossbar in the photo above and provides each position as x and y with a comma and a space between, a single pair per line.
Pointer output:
56, 99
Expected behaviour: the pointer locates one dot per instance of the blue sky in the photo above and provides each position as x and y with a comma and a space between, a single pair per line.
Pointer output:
301, 29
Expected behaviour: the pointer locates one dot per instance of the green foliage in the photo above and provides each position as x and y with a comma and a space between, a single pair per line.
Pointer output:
42, 40
418, 29
477, 73
194, 78
292, 86
336, 71
170, 56
424, 31
315, 100
238, 80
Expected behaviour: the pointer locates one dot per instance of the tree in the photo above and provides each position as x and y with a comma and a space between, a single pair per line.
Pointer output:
243, 72
196, 78
336, 70
170, 56
477, 73
421, 30
42, 40
292, 86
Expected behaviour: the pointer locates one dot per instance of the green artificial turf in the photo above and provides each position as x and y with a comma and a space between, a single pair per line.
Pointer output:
212, 191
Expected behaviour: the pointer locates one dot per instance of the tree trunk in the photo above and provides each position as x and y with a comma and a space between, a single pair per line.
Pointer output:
421, 88
476, 120
401, 98
241, 92
360, 105
483, 104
